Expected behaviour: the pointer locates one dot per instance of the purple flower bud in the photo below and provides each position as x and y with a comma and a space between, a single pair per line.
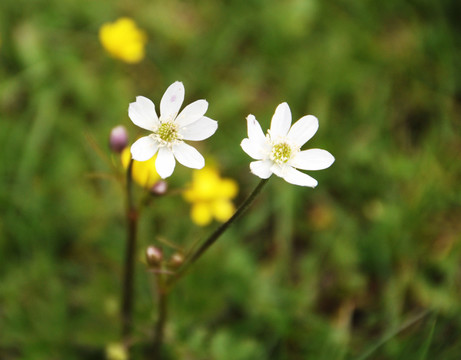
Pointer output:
159, 188
154, 256
118, 139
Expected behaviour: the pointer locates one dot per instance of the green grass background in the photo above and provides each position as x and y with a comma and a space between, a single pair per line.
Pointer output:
366, 266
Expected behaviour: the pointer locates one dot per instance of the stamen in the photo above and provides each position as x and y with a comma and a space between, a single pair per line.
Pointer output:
168, 132
281, 153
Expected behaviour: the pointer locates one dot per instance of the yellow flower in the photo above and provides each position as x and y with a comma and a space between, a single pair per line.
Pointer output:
123, 40
116, 351
210, 196
143, 172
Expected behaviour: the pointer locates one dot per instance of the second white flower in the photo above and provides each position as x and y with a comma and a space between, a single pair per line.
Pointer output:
279, 152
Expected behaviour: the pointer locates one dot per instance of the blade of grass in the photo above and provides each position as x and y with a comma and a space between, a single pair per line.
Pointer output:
392, 334
427, 344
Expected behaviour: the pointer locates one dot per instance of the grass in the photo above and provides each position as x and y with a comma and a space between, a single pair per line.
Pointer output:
328, 273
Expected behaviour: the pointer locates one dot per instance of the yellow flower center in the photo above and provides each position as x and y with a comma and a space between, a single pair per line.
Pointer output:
168, 132
281, 153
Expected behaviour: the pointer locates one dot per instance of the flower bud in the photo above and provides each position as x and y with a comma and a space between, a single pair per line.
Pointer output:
154, 256
176, 260
159, 188
118, 139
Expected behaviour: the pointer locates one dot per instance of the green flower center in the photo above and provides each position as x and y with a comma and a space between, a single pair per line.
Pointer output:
281, 153
168, 132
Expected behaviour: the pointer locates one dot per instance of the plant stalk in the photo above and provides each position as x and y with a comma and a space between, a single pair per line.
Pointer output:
128, 272
161, 319
192, 258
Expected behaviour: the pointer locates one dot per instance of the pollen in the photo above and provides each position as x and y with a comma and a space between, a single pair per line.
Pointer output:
281, 153
168, 132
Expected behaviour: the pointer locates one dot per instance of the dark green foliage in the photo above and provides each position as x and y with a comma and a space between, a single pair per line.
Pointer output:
337, 272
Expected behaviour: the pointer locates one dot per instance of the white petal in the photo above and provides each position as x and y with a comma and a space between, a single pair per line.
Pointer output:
253, 149
201, 129
303, 129
261, 169
142, 113
171, 101
144, 148
188, 156
313, 159
281, 121
278, 170
192, 112
294, 176
255, 133
256, 145
165, 162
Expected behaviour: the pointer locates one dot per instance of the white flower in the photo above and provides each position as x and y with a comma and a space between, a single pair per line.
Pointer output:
170, 130
279, 152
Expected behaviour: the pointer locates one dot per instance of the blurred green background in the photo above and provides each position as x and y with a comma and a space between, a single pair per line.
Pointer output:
367, 265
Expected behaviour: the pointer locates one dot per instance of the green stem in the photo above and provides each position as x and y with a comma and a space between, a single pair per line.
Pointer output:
161, 319
128, 273
192, 258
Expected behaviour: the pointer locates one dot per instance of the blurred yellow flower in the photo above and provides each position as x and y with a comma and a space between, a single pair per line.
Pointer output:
210, 196
123, 40
116, 351
143, 172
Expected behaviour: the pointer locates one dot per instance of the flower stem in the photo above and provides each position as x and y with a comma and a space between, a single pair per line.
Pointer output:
161, 319
128, 273
192, 258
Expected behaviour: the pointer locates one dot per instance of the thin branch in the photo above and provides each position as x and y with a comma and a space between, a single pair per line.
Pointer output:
192, 258
128, 274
